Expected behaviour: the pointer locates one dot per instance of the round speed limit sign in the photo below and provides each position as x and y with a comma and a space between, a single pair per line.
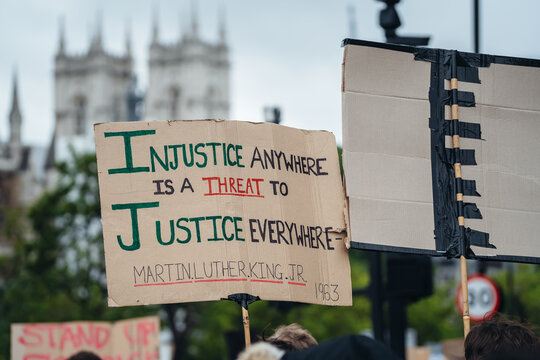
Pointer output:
484, 298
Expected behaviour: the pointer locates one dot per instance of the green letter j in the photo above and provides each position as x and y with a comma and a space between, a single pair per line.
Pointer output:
134, 222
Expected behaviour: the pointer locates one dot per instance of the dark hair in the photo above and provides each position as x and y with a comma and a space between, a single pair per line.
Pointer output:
84, 355
498, 339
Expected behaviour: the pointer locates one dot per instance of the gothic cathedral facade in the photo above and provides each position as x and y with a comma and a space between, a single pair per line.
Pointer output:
187, 79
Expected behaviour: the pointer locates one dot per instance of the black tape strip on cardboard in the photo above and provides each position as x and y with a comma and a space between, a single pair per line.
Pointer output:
478, 238
462, 156
469, 188
472, 60
471, 211
447, 232
464, 98
466, 129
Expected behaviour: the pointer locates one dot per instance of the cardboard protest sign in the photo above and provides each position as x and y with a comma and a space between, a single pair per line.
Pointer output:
122, 340
199, 210
440, 166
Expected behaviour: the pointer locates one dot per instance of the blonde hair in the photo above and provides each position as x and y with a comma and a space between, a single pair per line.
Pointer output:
261, 351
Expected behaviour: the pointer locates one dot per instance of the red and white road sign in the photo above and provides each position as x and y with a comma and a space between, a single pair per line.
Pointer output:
484, 298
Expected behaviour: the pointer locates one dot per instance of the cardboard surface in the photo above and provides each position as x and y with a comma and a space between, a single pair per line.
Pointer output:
122, 340
388, 148
417, 353
453, 349
257, 209
386, 155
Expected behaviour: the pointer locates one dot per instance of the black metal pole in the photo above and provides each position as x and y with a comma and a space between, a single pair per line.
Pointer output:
398, 324
376, 295
476, 26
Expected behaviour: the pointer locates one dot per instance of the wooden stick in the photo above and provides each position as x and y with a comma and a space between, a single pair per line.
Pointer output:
245, 320
347, 219
454, 116
465, 296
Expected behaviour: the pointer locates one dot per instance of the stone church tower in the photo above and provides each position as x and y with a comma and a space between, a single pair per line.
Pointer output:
14, 145
188, 79
11, 153
21, 166
89, 88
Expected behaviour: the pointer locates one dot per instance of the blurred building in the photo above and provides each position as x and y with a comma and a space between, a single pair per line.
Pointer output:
12, 152
188, 79
89, 88
22, 174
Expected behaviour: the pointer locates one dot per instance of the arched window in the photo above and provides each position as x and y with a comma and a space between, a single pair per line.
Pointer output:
80, 116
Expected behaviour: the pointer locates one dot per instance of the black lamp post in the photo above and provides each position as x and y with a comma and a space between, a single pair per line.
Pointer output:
389, 21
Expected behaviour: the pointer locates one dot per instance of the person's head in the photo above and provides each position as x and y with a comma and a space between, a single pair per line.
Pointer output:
261, 351
292, 337
495, 338
84, 355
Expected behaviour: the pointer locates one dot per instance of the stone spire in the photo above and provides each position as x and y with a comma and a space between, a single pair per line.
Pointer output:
194, 20
128, 38
89, 32
222, 26
15, 117
61, 36
155, 25
351, 13
97, 38
180, 26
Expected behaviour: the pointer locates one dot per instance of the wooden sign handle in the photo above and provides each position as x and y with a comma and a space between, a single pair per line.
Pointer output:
465, 296
244, 300
245, 321
459, 196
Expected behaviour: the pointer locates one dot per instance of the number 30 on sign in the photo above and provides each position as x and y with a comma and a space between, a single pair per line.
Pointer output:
484, 298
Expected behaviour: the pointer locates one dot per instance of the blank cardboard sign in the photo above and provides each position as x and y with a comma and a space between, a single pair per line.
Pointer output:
122, 340
399, 156
199, 210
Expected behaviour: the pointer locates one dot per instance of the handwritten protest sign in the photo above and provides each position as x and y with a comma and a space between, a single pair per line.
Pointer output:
199, 210
122, 340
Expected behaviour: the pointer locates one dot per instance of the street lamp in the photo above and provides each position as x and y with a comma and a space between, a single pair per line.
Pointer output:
389, 21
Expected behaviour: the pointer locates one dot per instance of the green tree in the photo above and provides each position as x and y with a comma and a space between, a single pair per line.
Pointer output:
435, 318
520, 290
57, 271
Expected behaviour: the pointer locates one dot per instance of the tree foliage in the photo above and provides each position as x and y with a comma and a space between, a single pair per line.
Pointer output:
57, 271
520, 288
435, 318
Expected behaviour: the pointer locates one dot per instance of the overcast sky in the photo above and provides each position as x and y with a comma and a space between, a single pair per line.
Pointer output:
284, 52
